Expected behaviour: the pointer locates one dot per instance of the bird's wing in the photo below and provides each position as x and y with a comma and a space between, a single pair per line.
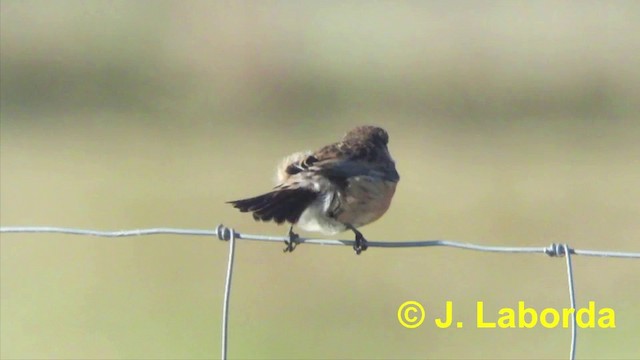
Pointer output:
337, 162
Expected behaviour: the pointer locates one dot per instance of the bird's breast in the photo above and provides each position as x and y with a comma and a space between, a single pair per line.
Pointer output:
365, 200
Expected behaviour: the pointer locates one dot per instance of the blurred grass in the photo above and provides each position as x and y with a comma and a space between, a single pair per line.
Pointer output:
511, 123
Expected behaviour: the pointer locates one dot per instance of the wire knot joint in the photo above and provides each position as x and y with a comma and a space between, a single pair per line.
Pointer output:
224, 233
557, 250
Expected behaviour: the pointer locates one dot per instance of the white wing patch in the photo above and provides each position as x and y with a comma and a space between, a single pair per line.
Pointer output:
293, 159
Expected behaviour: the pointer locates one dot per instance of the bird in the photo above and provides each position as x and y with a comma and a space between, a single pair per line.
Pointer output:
339, 187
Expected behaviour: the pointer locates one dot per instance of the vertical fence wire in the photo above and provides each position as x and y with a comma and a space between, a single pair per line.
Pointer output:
227, 294
572, 300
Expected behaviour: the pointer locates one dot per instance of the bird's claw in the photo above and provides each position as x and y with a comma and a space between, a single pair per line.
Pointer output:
292, 242
360, 244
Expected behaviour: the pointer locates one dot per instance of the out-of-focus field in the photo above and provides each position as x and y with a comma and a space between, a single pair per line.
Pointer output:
512, 123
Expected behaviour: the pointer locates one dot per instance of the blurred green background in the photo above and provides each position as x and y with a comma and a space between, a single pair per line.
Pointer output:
512, 123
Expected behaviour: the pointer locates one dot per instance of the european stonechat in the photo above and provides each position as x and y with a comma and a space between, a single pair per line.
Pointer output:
339, 187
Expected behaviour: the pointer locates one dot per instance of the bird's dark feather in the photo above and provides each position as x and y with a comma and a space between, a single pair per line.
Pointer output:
279, 205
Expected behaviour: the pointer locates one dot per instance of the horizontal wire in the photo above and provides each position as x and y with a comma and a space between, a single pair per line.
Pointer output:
223, 233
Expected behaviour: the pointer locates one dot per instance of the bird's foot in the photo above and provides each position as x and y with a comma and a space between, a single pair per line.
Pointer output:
292, 242
360, 244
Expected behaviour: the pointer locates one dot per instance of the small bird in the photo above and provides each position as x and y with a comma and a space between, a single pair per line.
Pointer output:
339, 187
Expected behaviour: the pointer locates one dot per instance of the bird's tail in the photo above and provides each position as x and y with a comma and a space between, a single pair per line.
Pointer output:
279, 205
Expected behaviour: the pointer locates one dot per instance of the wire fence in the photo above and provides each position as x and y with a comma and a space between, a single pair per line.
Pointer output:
229, 234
